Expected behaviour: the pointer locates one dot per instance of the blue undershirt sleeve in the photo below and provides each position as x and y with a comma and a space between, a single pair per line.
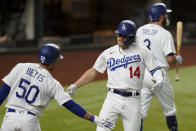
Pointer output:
75, 108
154, 70
171, 54
4, 91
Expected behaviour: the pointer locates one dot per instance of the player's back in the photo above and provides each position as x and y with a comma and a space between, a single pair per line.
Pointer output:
158, 40
31, 87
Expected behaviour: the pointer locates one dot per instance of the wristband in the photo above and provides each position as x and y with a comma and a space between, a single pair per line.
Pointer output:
92, 118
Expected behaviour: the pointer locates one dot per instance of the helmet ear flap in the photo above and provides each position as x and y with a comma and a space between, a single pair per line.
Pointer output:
129, 41
49, 53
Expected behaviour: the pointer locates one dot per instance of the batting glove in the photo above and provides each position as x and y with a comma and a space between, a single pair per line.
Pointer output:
71, 90
179, 59
157, 86
107, 124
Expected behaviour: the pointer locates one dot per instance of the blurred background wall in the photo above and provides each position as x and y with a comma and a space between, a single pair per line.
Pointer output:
30, 23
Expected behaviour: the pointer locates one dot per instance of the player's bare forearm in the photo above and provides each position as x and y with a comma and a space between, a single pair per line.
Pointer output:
171, 59
87, 77
174, 59
87, 116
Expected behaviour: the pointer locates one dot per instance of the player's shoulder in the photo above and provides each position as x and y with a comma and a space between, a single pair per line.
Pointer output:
151, 26
24, 64
143, 26
111, 49
21, 65
139, 48
140, 29
164, 30
54, 83
18, 67
147, 29
146, 26
50, 81
161, 29
165, 34
114, 47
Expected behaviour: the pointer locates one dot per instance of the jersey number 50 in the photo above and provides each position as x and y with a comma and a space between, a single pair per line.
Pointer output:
25, 94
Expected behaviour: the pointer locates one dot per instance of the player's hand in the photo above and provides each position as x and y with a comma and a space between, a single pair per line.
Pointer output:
71, 89
179, 59
157, 86
105, 123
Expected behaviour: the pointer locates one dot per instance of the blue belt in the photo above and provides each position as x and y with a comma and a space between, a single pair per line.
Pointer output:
13, 110
124, 93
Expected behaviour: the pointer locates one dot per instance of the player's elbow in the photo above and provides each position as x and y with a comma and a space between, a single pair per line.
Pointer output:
94, 73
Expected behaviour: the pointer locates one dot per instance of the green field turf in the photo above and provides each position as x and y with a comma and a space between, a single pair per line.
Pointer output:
91, 96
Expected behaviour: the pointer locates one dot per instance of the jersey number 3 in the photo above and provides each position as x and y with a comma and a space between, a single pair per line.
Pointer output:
30, 95
148, 43
134, 73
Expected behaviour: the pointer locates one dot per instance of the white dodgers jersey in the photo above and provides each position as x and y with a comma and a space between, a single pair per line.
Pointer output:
125, 68
158, 40
32, 88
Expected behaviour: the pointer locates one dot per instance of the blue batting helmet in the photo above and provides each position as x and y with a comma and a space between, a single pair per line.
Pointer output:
49, 53
127, 28
156, 10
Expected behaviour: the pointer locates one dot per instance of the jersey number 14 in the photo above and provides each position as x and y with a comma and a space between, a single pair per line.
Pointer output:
134, 73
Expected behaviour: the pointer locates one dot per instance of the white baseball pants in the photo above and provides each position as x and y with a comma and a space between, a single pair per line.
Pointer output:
165, 96
20, 121
129, 108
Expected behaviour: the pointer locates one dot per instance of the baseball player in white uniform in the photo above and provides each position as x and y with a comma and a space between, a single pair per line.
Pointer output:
30, 87
125, 64
160, 42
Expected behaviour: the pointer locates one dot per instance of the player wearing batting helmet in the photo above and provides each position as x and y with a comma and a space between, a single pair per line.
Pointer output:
160, 42
30, 87
125, 64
